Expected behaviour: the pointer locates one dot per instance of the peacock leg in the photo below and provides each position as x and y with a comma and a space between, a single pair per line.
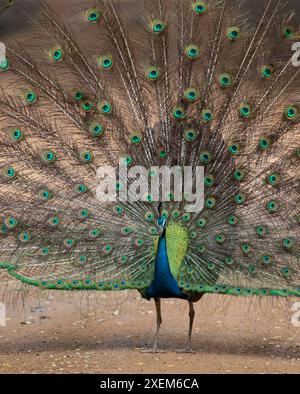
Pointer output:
188, 348
158, 324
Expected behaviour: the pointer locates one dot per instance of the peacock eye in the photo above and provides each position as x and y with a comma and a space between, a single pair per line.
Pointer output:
104, 107
201, 223
239, 199
30, 97
264, 143
239, 174
136, 139
93, 15
190, 135
9, 172
234, 33
274, 179
234, 148
200, 7
233, 220
209, 180
225, 80
191, 94
245, 110
78, 95
157, 26
210, 203
24, 237
16, 135
266, 71
87, 106
205, 157
96, 129
291, 112
48, 157
152, 73
80, 188
207, 115
4, 64
87, 156
105, 62
192, 51
179, 112
272, 206
288, 31
56, 54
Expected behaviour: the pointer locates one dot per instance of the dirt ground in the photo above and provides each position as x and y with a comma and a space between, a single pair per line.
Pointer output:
106, 333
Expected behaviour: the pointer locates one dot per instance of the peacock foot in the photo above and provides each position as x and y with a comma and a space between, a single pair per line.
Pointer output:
186, 350
153, 350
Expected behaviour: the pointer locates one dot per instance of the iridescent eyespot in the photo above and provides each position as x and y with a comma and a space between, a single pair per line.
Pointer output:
286, 271
234, 148
191, 94
192, 51
266, 259
105, 62
4, 65
119, 210
190, 135
200, 7
205, 157
149, 216
179, 112
87, 156
152, 73
45, 194
274, 179
272, 206
48, 157
288, 243
186, 217
96, 129
239, 199
148, 197
233, 220
9, 172
266, 71
225, 80
30, 97
291, 112
252, 269
80, 188
104, 107
239, 174
175, 214
229, 260
288, 31
94, 233
78, 95
246, 248
107, 249
93, 15
210, 202
201, 223
162, 154
207, 115
54, 221
261, 231
87, 105
24, 236
201, 249
136, 139
16, 135
56, 54
220, 238
11, 222
157, 26
233, 33
127, 230
209, 180
83, 213
245, 110
264, 143
127, 160
44, 251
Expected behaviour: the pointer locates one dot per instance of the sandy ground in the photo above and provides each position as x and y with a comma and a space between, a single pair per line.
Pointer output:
106, 333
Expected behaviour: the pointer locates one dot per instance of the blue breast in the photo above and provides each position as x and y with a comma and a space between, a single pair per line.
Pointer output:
164, 285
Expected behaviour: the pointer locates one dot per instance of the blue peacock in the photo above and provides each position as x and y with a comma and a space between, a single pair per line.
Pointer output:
191, 84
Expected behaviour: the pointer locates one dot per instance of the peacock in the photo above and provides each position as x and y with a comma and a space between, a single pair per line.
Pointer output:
190, 84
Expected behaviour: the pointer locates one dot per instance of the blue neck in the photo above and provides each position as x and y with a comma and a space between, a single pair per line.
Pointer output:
164, 285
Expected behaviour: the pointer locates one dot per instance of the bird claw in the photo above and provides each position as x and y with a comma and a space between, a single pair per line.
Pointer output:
186, 350
153, 350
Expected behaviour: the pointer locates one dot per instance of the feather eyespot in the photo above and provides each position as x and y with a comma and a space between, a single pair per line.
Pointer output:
104, 107
245, 110
105, 62
239, 199
225, 80
93, 15
191, 95
157, 26
210, 203
291, 112
24, 237
9, 172
16, 135
96, 129
192, 51
205, 157
200, 7
30, 97
209, 180
274, 179
136, 139
4, 64
152, 73
288, 31
239, 174
190, 135
87, 106
234, 148
78, 95
264, 143
179, 112
207, 115
272, 206
201, 223
266, 71
87, 156
11, 222
56, 54
48, 157
80, 188
233, 33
